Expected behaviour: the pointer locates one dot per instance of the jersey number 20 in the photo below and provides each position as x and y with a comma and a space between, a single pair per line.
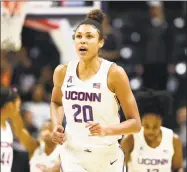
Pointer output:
86, 110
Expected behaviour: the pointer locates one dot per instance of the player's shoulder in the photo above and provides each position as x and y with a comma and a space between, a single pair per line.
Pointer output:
116, 69
176, 139
59, 74
167, 131
61, 68
116, 72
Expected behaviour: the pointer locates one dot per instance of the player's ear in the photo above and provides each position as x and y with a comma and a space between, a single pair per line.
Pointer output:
101, 43
73, 36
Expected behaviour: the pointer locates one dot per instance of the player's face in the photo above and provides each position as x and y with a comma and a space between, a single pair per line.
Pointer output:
151, 124
87, 42
46, 132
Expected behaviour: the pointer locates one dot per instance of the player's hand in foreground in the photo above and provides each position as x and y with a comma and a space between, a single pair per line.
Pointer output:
96, 129
58, 135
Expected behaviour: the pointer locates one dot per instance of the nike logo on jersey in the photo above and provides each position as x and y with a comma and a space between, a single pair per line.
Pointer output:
111, 163
88, 150
70, 86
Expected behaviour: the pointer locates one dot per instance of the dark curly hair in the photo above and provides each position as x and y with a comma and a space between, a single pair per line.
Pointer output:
96, 15
96, 18
157, 102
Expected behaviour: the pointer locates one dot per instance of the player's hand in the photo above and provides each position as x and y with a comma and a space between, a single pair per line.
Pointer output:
96, 129
12, 109
58, 135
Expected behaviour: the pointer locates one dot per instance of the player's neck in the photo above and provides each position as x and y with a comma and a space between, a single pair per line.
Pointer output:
156, 142
49, 148
89, 67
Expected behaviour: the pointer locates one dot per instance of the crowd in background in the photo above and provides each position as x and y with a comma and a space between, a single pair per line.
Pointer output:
147, 46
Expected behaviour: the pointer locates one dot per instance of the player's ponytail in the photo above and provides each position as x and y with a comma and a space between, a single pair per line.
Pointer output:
96, 15
94, 18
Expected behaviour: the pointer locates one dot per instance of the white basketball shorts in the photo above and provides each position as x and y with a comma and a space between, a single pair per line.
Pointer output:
106, 159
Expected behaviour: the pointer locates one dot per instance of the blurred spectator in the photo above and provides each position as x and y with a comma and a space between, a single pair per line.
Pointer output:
21, 158
23, 75
39, 108
6, 71
111, 48
46, 79
157, 56
181, 120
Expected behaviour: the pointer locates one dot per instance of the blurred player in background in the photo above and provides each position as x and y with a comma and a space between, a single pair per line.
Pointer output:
40, 152
155, 148
7, 106
86, 90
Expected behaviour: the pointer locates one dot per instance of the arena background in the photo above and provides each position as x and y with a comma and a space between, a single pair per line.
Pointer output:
148, 39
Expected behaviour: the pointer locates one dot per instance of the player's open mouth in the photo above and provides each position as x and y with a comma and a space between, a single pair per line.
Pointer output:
83, 50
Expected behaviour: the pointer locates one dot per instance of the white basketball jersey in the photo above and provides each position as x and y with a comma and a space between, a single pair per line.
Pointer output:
40, 158
6, 148
146, 159
89, 100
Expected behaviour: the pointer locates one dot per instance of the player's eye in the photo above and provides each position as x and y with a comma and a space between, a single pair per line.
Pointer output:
155, 127
146, 126
89, 36
78, 36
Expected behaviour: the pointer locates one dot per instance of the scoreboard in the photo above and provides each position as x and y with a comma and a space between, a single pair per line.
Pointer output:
60, 8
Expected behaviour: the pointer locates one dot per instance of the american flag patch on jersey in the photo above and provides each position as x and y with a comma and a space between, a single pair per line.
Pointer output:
96, 85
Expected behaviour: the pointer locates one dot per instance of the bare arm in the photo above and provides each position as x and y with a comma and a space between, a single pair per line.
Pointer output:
127, 144
119, 84
177, 161
23, 135
56, 107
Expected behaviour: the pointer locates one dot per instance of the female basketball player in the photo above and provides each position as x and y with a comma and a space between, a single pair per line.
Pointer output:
42, 155
154, 148
86, 90
6, 99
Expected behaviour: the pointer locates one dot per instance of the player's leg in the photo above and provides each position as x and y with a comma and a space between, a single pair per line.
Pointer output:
69, 163
72, 168
116, 162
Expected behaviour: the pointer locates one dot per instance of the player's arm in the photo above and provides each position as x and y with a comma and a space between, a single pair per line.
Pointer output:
177, 161
22, 134
56, 107
127, 144
118, 83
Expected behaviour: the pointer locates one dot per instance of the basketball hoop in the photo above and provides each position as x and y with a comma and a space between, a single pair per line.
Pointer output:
12, 20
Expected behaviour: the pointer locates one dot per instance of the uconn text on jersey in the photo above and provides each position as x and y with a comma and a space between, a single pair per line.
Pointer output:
83, 96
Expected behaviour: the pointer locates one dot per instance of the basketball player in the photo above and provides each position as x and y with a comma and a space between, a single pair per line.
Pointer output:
7, 98
155, 148
42, 153
86, 90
